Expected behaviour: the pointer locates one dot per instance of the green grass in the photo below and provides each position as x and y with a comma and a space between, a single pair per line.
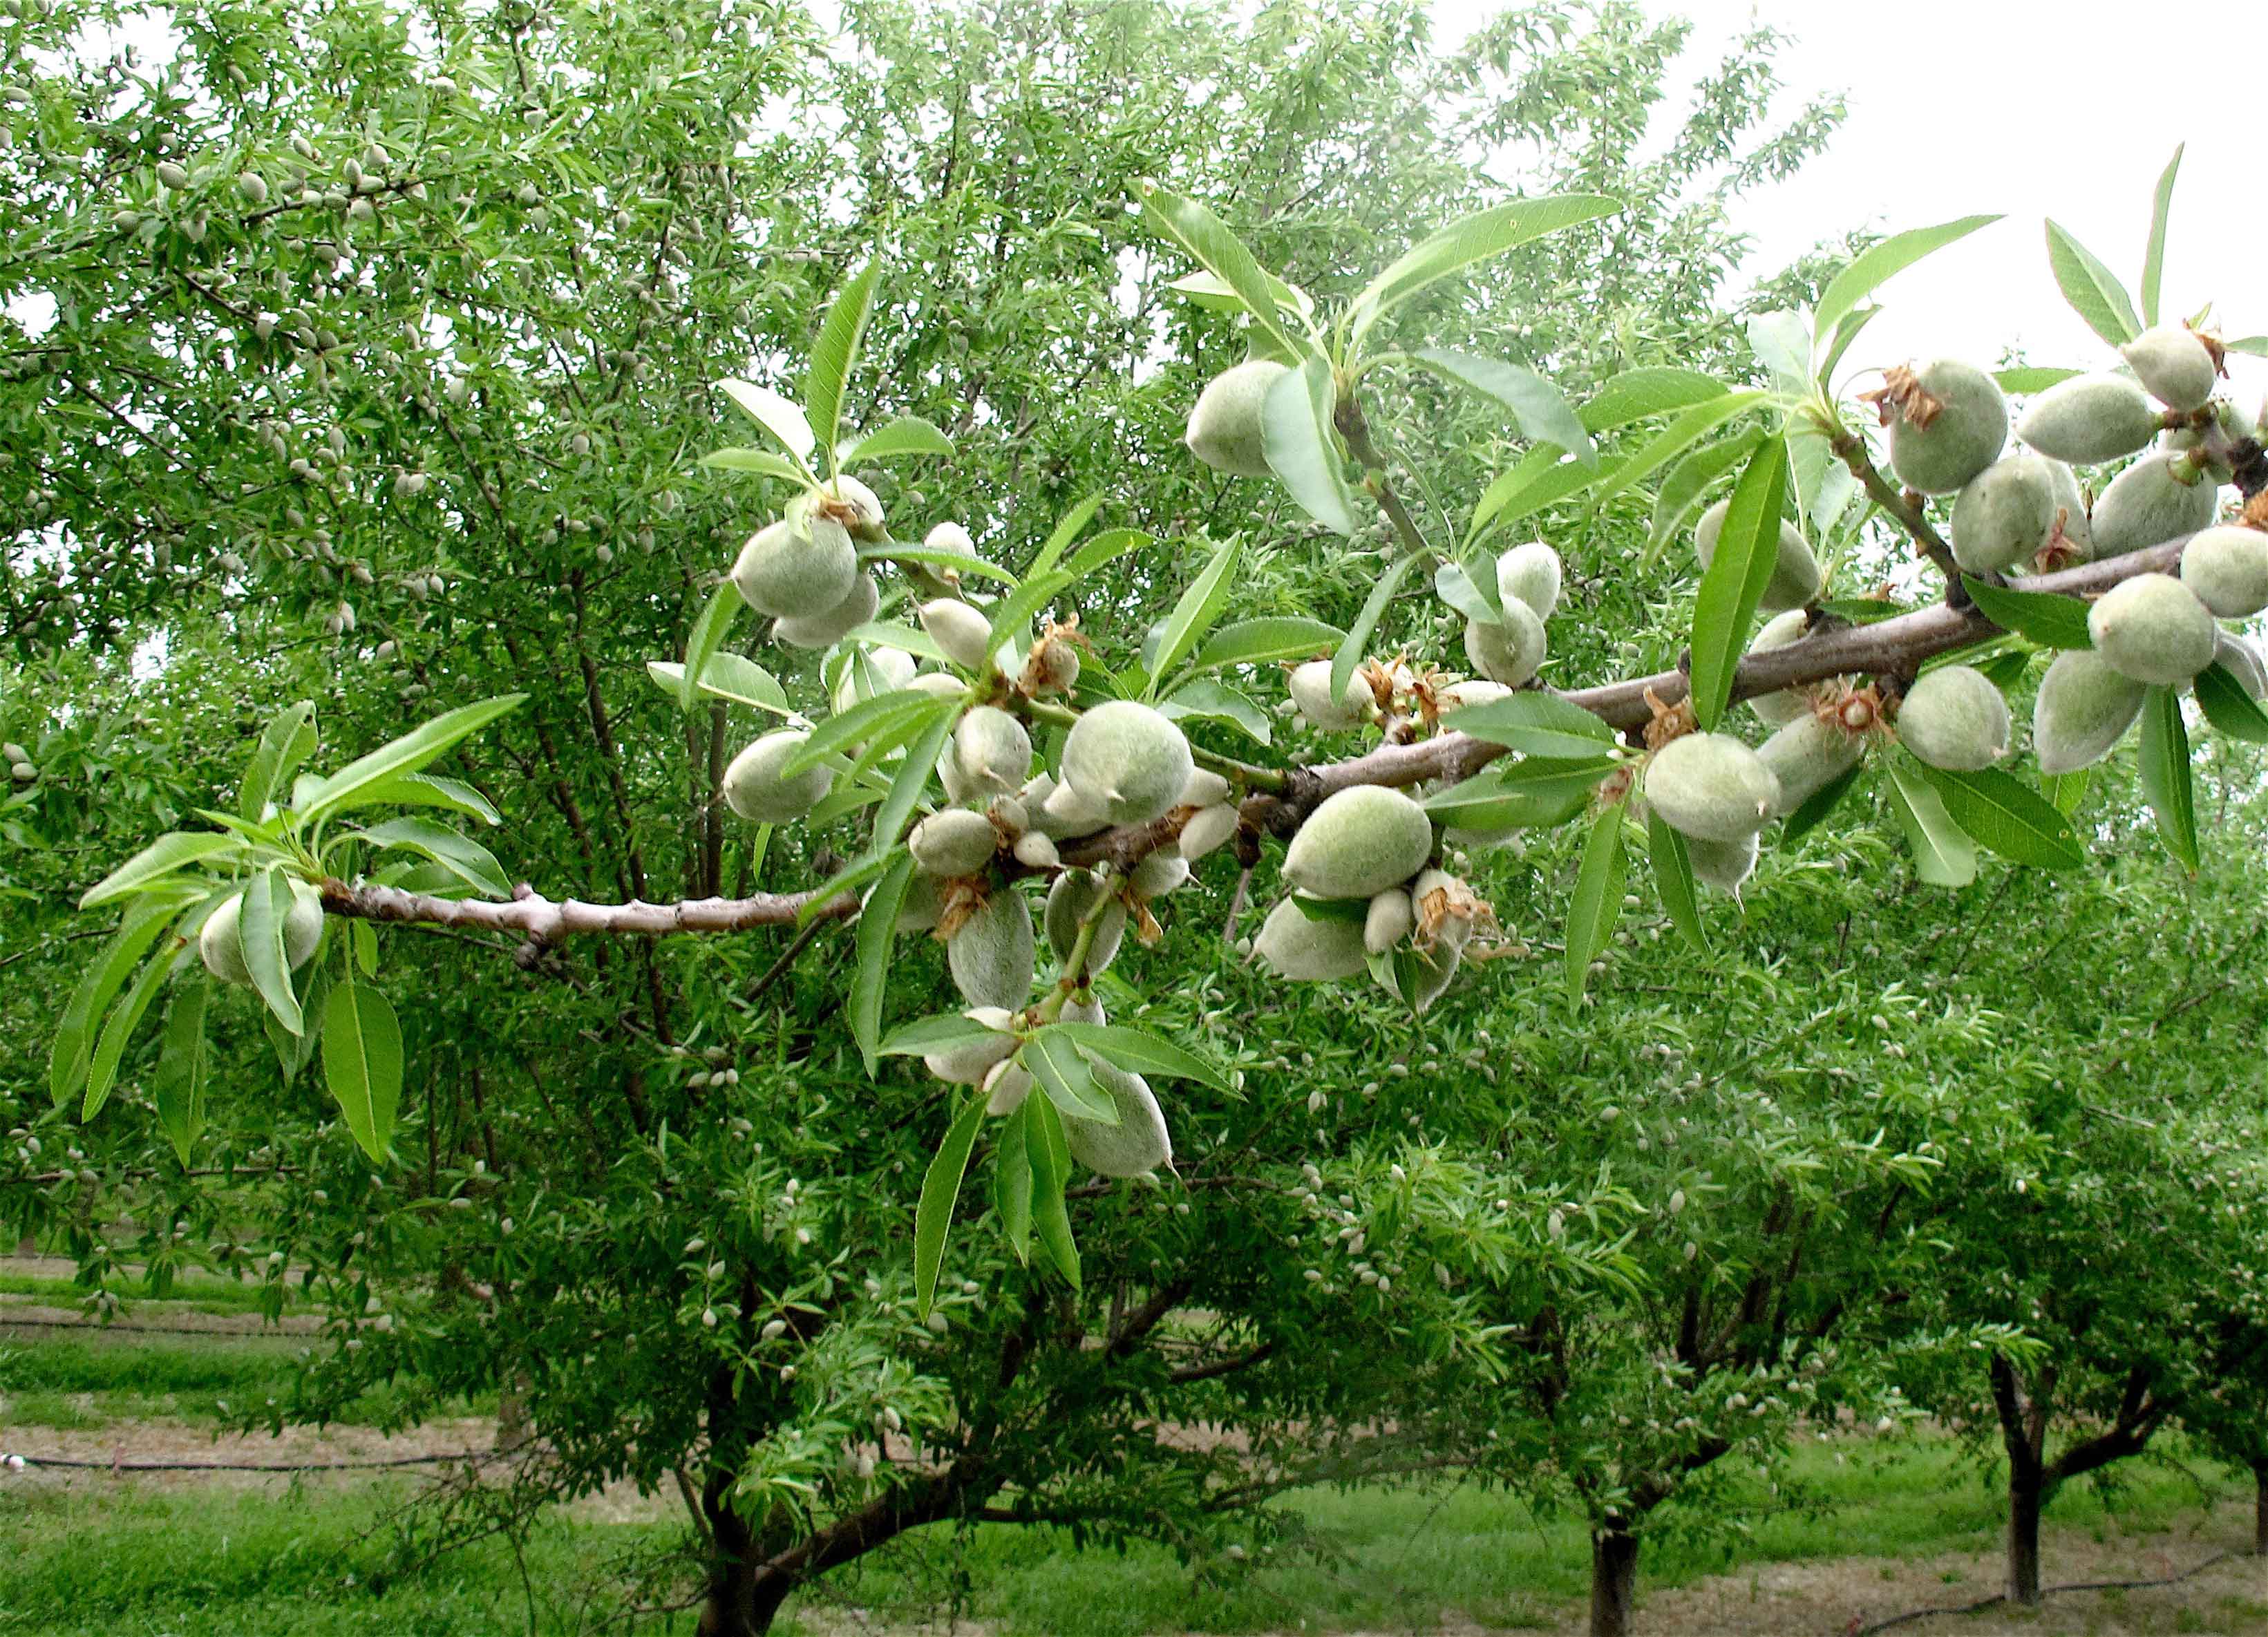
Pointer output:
195, 1290
59, 1378
317, 1560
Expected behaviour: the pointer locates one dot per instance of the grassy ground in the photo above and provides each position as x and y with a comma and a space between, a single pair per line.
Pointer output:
194, 1292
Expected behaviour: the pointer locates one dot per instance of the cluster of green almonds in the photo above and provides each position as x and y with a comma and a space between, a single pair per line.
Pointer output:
803, 570
220, 944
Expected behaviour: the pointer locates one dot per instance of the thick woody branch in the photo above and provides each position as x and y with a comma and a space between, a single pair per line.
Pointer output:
1891, 647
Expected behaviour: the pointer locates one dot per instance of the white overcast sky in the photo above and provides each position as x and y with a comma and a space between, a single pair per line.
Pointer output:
2028, 108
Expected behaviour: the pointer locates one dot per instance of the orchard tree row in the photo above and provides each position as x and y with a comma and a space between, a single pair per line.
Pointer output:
866, 899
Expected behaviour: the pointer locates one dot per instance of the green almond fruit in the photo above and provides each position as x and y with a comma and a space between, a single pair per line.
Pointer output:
824, 631
1806, 756
1509, 651
993, 955
2005, 514
220, 944
952, 842
791, 575
1953, 717
1128, 760
1310, 688
2084, 708
1774, 709
2153, 629
2240, 660
1138, 1143
2147, 505
1390, 919
1529, 575
871, 671
1711, 787
961, 630
2089, 419
1964, 436
1304, 950
1360, 842
754, 790
1070, 899
1159, 873
1225, 427
1723, 865
1795, 579
2172, 365
967, 1062
993, 751
2227, 569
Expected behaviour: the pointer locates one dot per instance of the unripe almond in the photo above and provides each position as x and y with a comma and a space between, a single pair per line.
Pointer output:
1129, 760
967, 1062
1953, 717
2089, 419
2172, 365
1773, 708
1307, 950
1034, 852
1806, 756
1795, 579
253, 186
2227, 569
173, 175
952, 842
861, 508
1711, 787
2149, 503
797, 576
1137, 1143
869, 672
1225, 427
1509, 651
1357, 843
964, 634
922, 907
1723, 865
220, 943
1207, 829
1159, 873
1530, 575
1063, 813
993, 750
754, 790
2084, 708
1474, 690
1203, 789
1005, 1087
950, 537
1069, 900
1389, 921
1963, 437
1310, 689
823, 630
992, 956
2005, 514
2240, 660
939, 685
2153, 629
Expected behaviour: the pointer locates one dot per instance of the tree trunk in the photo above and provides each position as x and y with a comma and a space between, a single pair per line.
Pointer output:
2260, 1510
1614, 1579
2024, 1497
511, 1428
741, 1600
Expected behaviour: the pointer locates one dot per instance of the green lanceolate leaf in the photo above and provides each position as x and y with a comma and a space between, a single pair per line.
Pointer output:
2005, 670
1527, 795
260, 931
1020, 606
467, 860
1469, 588
149, 867
2047, 619
845, 881
877, 925
1878, 264
2008, 817
2154, 256
429, 790
1301, 447
1748, 548
895, 440
1598, 902
2228, 707
1944, 856
940, 1190
2092, 289
1207, 238
1545, 477
184, 1062
1066, 530
1652, 389
927, 1035
937, 557
406, 755
1051, 1157
1211, 701
2166, 778
284, 744
838, 733
835, 350
754, 462
1011, 1181
2066, 791
1815, 807
1679, 497
1064, 1076
1352, 912
1373, 609
102, 1069
1143, 1052
1265, 641
727, 676
1674, 439
1542, 413
906, 789
783, 418
1468, 239
1194, 614
361, 1061
709, 630
1537, 724
2035, 378
1672, 879
144, 921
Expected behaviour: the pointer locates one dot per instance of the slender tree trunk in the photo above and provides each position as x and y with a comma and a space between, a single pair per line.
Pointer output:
2260, 1510
1614, 1579
735, 1605
2024, 1497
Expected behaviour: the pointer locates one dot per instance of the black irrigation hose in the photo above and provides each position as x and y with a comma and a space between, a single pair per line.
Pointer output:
2045, 1592
470, 1457
129, 1328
